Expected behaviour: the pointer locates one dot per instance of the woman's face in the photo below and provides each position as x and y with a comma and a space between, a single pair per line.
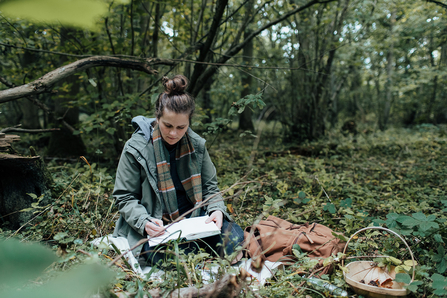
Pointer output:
173, 126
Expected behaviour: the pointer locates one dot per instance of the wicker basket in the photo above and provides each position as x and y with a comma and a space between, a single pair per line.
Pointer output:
367, 270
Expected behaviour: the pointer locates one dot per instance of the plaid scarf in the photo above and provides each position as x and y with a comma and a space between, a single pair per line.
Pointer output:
187, 169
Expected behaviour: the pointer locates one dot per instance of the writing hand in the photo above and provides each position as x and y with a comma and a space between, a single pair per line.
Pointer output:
217, 217
154, 227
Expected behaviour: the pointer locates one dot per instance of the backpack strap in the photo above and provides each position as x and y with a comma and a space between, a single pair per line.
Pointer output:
254, 249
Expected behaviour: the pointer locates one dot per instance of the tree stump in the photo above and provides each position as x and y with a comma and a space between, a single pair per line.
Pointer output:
6, 140
19, 177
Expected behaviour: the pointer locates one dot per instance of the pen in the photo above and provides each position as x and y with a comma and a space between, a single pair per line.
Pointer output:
154, 223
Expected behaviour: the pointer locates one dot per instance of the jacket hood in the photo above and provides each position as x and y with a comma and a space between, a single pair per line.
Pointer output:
143, 126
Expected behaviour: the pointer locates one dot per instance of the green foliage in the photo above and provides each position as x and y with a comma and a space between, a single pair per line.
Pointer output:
22, 263
79, 13
369, 182
440, 258
346, 187
239, 106
220, 124
439, 284
81, 211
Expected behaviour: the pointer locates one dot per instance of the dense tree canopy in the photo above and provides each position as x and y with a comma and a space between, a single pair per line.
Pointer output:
316, 64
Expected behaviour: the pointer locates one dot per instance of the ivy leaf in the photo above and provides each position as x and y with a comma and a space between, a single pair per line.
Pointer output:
440, 255
330, 207
392, 216
441, 266
110, 130
414, 286
347, 203
296, 200
438, 238
439, 284
410, 222
60, 236
419, 216
403, 277
339, 236
440, 259
392, 220
300, 198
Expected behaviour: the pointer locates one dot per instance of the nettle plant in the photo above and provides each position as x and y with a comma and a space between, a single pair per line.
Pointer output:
426, 235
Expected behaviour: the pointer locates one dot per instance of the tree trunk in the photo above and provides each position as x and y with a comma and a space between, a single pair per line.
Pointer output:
245, 121
441, 110
30, 112
20, 177
156, 29
384, 118
207, 101
63, 142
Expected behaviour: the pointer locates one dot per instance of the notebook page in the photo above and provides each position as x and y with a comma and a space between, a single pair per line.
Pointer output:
189, 228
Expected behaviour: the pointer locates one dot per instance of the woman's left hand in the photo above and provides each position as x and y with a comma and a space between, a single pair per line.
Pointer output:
217, 217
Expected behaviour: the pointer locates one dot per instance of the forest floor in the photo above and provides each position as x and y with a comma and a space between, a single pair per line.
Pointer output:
396, 179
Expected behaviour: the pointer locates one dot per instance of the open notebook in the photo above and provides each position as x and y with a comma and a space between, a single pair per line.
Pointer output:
189, 229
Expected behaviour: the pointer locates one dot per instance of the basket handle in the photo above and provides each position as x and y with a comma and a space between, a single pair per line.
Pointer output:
389, 231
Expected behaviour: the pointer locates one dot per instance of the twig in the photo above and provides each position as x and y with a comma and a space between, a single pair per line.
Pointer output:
322, 188
119, 265
15, 233
84, 252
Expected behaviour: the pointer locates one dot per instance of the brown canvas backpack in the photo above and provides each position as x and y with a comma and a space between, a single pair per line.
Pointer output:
272, 239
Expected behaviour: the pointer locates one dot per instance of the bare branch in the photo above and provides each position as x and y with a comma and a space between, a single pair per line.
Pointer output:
43, 51
198, 69
197, 85
438, 3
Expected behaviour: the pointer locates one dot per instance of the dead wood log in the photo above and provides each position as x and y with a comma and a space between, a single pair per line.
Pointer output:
19, 177
229, 286
46, 82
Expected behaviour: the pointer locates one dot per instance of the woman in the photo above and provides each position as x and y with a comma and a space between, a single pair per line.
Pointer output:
164, 172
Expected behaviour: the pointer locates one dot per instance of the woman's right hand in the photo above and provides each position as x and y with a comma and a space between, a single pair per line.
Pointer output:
154, 228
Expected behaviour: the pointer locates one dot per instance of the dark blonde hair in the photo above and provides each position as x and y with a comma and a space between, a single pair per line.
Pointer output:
175, 98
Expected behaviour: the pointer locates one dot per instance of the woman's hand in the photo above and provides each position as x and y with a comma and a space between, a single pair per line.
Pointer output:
154, 227
217, 217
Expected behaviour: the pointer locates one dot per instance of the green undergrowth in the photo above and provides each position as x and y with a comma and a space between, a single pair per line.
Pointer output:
396, 179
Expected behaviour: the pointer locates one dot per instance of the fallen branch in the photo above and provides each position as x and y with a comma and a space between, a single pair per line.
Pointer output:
46, 82
30, 98
227, 287
15, 129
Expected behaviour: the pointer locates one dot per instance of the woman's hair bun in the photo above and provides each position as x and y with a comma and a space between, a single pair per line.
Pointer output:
175, 85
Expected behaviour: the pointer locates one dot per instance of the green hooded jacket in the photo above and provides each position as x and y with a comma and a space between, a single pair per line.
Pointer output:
136, 190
